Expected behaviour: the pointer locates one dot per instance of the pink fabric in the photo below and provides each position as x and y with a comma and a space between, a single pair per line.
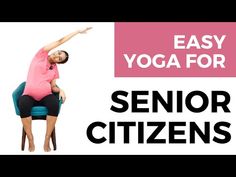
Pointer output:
39, 76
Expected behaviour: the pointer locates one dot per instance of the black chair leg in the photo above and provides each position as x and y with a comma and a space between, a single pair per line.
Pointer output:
23, 139
53, 136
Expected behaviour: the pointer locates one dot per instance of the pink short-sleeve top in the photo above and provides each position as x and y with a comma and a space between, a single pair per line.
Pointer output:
40, 74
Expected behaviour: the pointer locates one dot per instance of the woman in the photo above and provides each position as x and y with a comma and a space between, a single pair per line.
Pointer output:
40, 83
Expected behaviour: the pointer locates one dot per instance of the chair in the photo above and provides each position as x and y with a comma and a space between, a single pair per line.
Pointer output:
37, 113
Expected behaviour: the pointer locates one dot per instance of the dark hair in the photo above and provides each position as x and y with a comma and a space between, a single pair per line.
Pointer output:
66, 59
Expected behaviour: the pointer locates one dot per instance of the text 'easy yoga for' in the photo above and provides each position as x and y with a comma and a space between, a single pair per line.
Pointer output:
203, 60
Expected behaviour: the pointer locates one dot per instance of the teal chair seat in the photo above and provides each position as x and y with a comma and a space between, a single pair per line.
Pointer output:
37, 112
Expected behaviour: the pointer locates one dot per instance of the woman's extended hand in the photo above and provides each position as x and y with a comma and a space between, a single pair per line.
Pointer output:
85, 30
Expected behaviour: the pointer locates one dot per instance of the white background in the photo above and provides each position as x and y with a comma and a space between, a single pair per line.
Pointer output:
88, 81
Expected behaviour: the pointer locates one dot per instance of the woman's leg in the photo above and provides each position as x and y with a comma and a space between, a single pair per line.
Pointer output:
25, 105
51, 121
52, 104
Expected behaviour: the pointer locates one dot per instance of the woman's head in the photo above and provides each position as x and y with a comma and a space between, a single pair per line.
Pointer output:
59, 57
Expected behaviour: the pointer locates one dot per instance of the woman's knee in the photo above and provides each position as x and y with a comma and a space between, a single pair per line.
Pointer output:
25, 105
52, 104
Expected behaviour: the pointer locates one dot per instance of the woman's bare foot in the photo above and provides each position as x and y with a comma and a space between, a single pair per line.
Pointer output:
47, 144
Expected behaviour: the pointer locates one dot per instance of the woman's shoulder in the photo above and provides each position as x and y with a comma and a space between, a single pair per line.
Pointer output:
41, 52
40, 55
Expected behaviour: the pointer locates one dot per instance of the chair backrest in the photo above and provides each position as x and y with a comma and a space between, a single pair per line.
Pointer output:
36, 110
16, 95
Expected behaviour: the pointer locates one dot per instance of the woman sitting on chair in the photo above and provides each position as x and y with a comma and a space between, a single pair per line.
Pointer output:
40, 83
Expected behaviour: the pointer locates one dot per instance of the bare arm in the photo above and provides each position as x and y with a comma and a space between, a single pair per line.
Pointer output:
57, 89
54, 86
64, 39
